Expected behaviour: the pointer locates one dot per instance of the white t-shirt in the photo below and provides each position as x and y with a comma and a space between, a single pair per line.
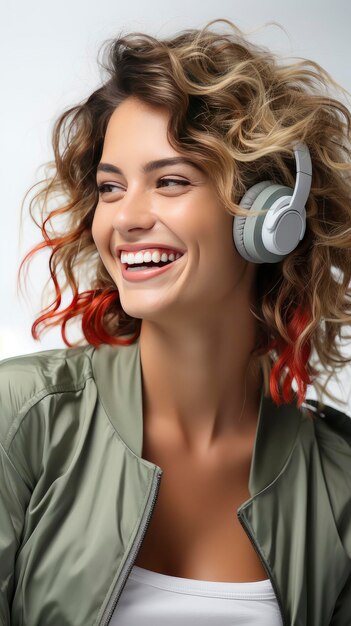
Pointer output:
154, 599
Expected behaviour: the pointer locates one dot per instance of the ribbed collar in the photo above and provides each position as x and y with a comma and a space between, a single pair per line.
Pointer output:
117, 373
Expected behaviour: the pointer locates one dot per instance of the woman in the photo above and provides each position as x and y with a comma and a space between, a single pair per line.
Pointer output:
165, 467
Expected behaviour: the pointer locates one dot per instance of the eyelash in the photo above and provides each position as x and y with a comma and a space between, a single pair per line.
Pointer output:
101, 188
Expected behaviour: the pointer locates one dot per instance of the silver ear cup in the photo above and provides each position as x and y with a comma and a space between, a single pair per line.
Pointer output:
247, 231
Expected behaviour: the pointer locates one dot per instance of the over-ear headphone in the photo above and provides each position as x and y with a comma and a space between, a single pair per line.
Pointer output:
270, 237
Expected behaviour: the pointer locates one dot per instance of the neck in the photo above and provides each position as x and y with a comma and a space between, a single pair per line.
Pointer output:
200, 384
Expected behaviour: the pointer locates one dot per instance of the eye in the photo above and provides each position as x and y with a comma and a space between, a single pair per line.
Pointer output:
174, 180
106, 187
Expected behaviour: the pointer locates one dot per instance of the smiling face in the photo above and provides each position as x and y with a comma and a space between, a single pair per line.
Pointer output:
175, 205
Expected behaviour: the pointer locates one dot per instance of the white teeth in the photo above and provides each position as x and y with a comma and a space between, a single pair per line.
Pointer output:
155, 257
145, 257
138, 257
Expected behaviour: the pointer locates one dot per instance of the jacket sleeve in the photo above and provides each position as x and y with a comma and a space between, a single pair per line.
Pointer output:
342, 611
14, 498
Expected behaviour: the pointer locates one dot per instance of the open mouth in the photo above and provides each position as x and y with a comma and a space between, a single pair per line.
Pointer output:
135, 267
150, 269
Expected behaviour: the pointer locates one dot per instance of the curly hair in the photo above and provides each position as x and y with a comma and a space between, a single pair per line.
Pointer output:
237, 108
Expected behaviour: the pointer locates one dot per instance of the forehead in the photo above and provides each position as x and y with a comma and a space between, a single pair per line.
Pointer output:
136, 120
137, 132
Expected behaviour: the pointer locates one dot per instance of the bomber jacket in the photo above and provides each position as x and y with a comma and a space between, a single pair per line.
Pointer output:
76, 496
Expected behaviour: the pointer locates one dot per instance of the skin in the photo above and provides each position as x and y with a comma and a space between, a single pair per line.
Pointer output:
197, 329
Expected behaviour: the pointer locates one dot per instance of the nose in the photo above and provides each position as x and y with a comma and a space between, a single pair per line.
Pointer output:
133, 210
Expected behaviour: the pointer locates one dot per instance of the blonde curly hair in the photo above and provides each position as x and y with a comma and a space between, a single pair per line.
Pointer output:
237, 109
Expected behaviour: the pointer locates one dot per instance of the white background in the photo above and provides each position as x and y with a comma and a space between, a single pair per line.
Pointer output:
48, 54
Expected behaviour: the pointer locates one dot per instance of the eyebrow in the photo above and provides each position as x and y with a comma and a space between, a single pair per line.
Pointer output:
150, 166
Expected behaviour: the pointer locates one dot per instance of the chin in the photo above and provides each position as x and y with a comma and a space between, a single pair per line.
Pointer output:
135, 305
152, 311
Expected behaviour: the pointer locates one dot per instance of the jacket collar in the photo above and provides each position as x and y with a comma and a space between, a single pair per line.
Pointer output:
117, 373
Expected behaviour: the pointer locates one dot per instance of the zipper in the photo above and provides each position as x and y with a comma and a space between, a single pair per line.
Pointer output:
257, 549
122, 579
117, 591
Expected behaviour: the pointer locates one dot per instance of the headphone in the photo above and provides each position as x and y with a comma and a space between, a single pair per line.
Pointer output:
270, 237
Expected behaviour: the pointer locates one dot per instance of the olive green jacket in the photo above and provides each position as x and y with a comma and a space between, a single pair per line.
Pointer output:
76, 496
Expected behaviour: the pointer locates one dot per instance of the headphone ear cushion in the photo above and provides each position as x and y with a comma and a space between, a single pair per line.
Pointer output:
246, 202
252, 192
247, 233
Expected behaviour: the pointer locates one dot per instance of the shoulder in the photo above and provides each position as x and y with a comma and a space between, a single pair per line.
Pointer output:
332, 429
26, 379
331, 423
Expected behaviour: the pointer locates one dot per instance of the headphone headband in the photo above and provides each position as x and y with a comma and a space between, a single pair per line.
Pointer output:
303, 176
